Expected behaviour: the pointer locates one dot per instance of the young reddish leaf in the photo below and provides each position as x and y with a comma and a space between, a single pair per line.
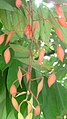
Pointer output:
60, 53
28, 76
51, 79
59, 10
41, 56
19, 75
28, 31
35, 26
62, 22
7, 55
60, 34
18, 3
40, 86
1, 38
61, 19
15, 104
37, 110
13, 90
9, 37
29, 116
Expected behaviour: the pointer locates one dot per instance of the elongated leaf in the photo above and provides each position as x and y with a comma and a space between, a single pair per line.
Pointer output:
9, 37
7, 55
37, 110
60, 53
28, 76
60, 34
28, 31
62, 22
1, 38
51, 79
13, 90
41, 56
15, 104
35, 25
19, 75
40, 86
59, 10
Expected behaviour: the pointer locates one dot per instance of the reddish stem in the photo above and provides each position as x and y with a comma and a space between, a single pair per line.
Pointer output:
19, 49
18, 23
23, 70
46, 19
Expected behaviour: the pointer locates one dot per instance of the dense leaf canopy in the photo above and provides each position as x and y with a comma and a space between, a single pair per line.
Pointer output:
29, 39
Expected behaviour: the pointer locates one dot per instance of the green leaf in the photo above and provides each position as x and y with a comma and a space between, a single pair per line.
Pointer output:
45, 27
3, 113
11, 115
2, 86
20, 51
54, 100
3, 110
2, 93
12, 73
12, 18
5, 5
